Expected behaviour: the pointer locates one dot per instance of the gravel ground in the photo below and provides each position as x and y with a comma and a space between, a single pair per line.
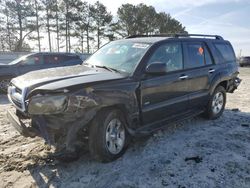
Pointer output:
196, 153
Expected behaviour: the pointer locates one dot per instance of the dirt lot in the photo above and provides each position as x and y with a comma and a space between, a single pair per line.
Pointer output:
195, 153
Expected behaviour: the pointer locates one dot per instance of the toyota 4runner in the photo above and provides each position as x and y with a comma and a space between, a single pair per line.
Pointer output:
128, 87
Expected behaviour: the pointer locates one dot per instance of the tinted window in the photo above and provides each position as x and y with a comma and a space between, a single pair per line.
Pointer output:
170, 54
51, 59
32, 60
68, 58
226, 52
196, 57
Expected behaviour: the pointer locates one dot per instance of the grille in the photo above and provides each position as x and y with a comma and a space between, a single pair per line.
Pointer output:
16, 96
18, 90
17, 103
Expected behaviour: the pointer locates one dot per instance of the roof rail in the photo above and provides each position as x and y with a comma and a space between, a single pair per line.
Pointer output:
155, 35
217, 37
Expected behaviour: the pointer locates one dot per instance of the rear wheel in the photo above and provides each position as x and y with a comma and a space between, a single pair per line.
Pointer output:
108, 138
216, 103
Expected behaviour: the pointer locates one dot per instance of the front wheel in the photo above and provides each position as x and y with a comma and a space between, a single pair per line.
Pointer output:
216, 103
108, 138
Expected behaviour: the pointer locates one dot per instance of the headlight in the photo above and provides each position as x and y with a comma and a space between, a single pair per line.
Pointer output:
47, 104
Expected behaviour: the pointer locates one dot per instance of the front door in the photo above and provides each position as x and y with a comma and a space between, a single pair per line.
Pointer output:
30, 63
165, 96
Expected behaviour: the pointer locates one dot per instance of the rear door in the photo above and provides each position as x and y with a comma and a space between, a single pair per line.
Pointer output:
200, 69
165, 96
50, 61
69, 60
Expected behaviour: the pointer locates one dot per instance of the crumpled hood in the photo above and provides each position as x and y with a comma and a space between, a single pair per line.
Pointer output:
63, 77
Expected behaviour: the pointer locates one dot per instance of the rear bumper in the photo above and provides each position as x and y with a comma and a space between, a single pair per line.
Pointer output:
234, 84
18, 124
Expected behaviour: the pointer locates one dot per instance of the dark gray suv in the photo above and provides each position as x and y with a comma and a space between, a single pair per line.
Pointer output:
129, 87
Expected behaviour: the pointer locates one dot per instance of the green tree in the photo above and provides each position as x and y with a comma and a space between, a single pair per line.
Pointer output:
144, 20
19, 13
127, 20
47, 5
169, 24
68, 9
37, 7
82, 24
102, 18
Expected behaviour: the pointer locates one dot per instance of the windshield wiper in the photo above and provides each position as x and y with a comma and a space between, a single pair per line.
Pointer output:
108, 68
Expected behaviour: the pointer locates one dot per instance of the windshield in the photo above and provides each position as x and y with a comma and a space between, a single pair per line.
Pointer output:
18, 60
120, 55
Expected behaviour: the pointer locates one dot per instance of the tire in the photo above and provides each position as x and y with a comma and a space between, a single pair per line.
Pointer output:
108, 138
216, 104
4, 85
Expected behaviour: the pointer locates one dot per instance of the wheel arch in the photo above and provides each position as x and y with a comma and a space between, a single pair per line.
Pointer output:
223, 83
123, 109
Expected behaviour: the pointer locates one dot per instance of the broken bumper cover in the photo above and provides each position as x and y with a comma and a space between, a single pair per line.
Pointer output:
234, 84
17, 123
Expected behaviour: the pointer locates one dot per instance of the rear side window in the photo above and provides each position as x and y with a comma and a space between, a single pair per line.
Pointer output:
226, 52
198, 55
69, 59
51, 59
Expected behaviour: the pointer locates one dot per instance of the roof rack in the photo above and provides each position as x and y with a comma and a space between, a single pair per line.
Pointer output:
217, 37
155, 35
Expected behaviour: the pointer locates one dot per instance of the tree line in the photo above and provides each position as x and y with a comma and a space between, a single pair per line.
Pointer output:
76, 25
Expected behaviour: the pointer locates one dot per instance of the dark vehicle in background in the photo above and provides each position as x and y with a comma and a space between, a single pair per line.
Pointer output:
35, 61
244, 61
129, 87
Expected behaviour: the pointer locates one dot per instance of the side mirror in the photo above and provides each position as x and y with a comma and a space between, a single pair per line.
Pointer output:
156, 68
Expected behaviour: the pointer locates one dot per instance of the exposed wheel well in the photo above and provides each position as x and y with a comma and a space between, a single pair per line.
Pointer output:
120, 107
223, 84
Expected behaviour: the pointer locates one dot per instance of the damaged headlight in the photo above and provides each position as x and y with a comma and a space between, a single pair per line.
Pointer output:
47, 104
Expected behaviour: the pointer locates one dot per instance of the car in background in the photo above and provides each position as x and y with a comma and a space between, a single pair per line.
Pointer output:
35, 61
244, 61
84, 56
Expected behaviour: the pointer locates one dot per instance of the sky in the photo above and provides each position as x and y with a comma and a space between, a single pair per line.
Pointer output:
228, 18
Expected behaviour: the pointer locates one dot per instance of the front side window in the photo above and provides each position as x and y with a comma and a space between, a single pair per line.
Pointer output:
32, 60
123, 56
170, 54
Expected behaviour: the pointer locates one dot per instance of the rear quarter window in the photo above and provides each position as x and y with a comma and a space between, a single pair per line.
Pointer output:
226, 52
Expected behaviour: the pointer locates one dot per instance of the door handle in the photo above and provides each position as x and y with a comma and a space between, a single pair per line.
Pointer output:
211, 70
183, 77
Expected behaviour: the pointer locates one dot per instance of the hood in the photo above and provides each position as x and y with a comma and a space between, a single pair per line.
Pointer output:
63, 77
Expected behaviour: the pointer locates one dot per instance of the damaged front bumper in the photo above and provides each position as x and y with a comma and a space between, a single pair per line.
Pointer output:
20, 126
